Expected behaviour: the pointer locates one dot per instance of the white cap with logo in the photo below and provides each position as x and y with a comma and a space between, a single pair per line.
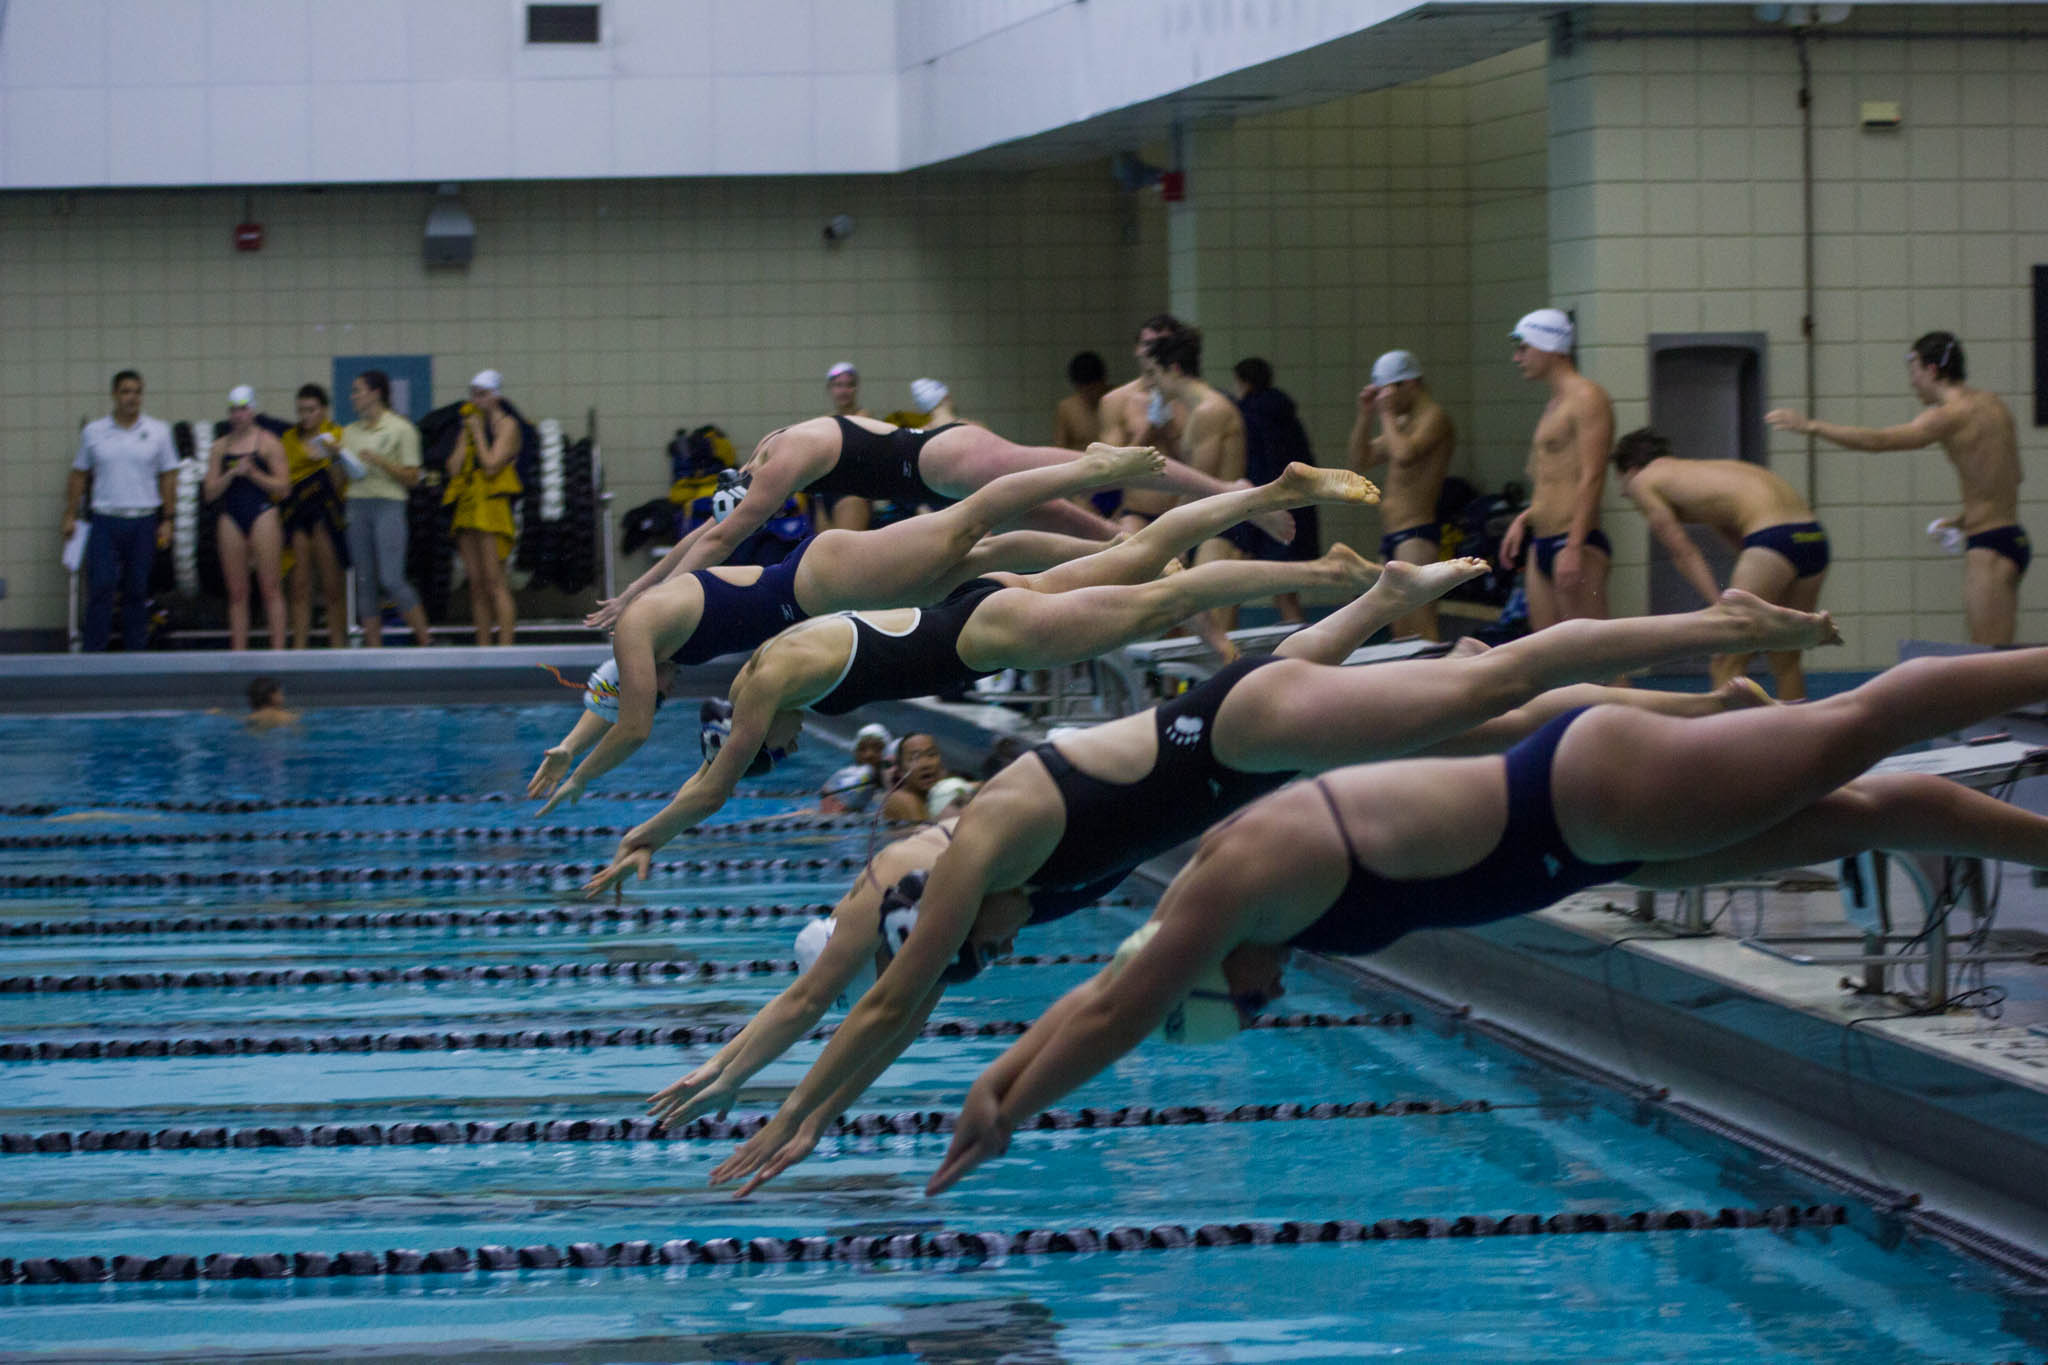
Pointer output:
928, 393
241, 396
1546, 329
490, 381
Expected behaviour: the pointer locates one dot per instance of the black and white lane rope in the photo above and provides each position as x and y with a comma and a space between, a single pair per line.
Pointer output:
246, 805
484, 1133
629, 1035
409, 874
945, 1246
573, 916
449, 834
417, 973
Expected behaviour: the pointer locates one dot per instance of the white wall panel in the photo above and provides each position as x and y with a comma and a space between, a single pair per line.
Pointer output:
258, 41
854, 35
47, 45
658, 38
157, 136
766, 36
459, 39
155, 42
52, 136
661, 127
560, 129
761, 125
259, 133
367, 40
461, 129
854, 122
361, 131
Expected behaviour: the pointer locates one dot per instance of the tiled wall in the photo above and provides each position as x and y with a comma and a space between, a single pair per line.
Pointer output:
1410, 218
660, 303
1676, 206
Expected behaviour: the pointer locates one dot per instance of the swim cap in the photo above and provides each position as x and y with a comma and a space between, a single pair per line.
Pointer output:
810, 945
874, 730
928, 393
488, 380
1546, 329
853, 786
1395, 366
731, 491
241, 396
899, 921
1206, 1014
601, 691
944, 793
714, 728
843, 367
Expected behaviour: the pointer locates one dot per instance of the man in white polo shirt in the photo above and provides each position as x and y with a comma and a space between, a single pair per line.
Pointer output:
133, 466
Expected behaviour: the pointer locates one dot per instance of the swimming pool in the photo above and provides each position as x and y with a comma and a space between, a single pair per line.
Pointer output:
487, 1109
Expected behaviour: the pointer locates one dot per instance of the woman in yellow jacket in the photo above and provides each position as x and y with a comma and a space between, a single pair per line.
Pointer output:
482, 481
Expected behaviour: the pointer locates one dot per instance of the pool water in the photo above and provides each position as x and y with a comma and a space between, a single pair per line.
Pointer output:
1551, 1143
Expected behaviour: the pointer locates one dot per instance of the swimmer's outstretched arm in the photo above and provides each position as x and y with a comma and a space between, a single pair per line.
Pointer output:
608, 610
554, 764
1935, 424
783, 1021
770, 482
633, 649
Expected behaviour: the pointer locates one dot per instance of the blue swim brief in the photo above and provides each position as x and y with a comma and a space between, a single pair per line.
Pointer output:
1393, 540
2010, 541
1545, 548
1804, 543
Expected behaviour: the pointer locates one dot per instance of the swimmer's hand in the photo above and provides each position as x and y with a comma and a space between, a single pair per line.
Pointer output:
638, 859
981, 1134
1788, 419
568, 793
701, 1091
1511, 541
767, 1154
608, 611
554, 766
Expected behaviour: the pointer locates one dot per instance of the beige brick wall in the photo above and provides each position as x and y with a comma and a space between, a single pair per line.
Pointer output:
1675, 206
662, 304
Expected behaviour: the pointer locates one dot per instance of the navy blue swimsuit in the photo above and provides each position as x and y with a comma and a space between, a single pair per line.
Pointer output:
1529, 868
740, 616
881, 465
1114, 826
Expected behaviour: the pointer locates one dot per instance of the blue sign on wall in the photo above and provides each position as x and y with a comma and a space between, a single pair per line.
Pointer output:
412, 383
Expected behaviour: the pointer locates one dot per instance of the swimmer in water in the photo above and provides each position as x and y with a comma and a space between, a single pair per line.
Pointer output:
1075, 816
1062, 616
267, 710
1350, 862
1974, 428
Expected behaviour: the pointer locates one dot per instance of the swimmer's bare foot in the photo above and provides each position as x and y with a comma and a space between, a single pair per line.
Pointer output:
1304, 483
1467, 647
1349, 570
1767, 626
1740, 694
1107, 466
1403, 586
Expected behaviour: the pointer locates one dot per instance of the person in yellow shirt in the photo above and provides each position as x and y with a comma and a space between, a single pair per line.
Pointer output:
381, 453
482, 481
312, 521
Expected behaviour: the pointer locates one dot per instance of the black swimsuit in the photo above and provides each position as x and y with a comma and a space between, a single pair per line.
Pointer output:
880, 465
1529, 868
1046, 904
1114, 826
923, 660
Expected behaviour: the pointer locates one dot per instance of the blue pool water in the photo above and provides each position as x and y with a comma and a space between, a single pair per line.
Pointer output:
1553, 1144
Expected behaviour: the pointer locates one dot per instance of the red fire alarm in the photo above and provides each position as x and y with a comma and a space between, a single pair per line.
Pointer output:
1173, 186
248, 236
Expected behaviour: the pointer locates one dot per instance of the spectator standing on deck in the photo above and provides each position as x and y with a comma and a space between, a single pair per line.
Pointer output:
381, 452
132, 463
313, 519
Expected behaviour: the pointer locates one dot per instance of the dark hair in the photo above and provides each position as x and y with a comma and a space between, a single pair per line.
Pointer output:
123, 376
1941, 353
380, 382
1254, 372
1002, 754
1086, 368
314, 392
1180, 349
1159, 322
264, 692
1638, 448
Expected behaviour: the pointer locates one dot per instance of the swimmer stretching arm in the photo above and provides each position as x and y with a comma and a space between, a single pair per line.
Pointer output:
633, 650
554, 764
1934, 425
1665, 525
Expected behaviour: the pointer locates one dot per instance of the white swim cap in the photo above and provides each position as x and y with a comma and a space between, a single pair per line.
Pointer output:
1546, 329
843, 367
1395, 366
874, 730
730, 493
853, 786
241, 396
928, 393
944, 793
488, 380
601, 691
810, 944
1204, 1015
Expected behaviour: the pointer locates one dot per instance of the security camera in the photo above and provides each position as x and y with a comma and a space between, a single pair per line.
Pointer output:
839, 227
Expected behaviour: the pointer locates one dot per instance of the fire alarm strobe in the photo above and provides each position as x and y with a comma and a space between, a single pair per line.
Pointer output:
248, 236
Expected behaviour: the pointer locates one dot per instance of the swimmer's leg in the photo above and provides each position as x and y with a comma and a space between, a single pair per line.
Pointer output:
1770, 576
1898, 812
912, 562
1630, 785
1991, 597
1177, 530
1422, 621
266, 547
1788, 667
233, 549
1018, 628
1401, 590
1541, 595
